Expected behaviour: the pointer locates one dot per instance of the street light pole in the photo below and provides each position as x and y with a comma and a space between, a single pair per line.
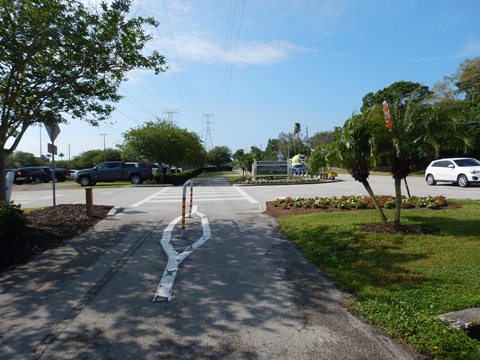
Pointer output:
104, 155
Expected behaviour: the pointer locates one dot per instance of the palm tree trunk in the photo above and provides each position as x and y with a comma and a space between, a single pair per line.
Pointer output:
366, 184
398, 201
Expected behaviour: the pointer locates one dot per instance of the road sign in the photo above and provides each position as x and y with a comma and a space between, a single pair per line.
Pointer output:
52, 149
53, 131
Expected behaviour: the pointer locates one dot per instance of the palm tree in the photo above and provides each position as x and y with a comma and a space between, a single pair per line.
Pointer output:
353, 145
419, 127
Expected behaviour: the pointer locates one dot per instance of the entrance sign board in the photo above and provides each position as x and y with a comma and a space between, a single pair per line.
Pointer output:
271, 168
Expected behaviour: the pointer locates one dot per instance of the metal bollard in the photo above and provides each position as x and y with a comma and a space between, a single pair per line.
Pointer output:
191, 199
184, 202
89, 201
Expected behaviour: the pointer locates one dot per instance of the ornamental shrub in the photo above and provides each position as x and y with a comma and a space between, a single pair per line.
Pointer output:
12, 222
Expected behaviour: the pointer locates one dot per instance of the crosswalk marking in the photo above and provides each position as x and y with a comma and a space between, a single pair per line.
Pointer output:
200, 194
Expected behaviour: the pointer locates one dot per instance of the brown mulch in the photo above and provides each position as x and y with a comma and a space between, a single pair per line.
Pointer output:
49, 228
388, 228
277, 211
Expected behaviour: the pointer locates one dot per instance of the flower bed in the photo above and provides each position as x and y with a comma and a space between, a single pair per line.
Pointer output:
360, 202
294, 180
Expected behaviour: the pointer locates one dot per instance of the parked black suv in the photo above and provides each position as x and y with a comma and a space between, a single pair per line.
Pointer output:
35, 174
60, 173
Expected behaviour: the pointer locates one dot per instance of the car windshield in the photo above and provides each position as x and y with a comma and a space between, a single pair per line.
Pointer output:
467, 162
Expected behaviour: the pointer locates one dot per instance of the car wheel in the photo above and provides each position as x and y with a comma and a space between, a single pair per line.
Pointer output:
462, 180
136, 179
85, 181
36, 180
430, 180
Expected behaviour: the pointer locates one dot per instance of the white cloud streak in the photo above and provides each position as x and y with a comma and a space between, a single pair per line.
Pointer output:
201, 50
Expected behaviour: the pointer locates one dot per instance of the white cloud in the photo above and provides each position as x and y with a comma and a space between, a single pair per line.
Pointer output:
472, 48
198, 49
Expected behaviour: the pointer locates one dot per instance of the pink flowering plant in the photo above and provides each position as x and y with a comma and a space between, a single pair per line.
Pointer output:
360, 202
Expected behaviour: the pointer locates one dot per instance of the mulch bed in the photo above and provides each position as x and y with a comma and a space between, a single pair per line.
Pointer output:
277, 211
49, 228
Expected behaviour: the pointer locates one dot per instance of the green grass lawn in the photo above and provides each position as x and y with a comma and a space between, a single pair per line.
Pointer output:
220, 173
100, 185
402, 283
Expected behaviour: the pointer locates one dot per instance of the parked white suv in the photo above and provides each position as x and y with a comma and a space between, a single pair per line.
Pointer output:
461, 171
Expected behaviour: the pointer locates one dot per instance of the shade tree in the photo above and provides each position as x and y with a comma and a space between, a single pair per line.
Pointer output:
61, 62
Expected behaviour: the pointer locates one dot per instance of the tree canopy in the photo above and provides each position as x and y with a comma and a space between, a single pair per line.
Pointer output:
164, 142
219, 156
60, 61
398, 92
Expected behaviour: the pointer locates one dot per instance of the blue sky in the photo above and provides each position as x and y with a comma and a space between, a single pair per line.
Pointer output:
259, 66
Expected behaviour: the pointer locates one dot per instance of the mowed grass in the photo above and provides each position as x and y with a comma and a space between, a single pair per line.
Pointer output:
101, 185
402, 283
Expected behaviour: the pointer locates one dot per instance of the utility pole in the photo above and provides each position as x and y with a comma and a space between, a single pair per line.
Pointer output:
40, 127
308, 142
208, 129
170, 114
104, 154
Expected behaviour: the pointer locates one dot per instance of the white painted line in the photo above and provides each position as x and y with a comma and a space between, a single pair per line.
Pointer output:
167, 197
197, 200
164, 289
148, 198
245, 195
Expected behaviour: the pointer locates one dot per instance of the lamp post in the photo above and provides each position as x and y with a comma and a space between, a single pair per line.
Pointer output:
104, 155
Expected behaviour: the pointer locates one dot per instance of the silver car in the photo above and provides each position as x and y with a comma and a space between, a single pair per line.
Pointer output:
461, 171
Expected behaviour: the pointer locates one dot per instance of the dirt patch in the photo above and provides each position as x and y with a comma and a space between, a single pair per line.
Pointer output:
389, 228
49, 228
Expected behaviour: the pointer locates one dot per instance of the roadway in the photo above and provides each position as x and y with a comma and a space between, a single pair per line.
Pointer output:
37, 195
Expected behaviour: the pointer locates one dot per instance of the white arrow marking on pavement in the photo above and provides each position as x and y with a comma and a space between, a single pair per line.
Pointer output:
164, 289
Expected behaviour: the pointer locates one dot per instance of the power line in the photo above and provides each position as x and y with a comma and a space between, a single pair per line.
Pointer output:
137, 103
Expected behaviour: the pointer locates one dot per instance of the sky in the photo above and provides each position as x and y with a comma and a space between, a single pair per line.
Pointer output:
247, 70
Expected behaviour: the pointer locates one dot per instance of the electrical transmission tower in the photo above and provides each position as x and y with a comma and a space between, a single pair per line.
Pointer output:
207, 131
170, 114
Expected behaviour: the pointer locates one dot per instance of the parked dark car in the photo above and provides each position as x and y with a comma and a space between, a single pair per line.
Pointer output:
34, 174
60, 174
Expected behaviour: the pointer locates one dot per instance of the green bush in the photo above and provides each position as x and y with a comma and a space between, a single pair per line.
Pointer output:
177, 178
12, 221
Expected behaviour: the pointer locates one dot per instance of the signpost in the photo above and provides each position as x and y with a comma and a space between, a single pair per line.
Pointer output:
9, 181
53, 131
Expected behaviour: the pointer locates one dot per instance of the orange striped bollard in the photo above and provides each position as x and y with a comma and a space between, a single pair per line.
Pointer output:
184, 202
191, 199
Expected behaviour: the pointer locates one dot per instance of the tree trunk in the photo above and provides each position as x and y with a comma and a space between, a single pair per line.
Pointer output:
366, 184
3, 182
398, 201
